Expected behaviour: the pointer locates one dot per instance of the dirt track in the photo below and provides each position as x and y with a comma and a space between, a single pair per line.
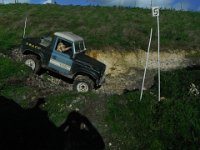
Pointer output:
124, 70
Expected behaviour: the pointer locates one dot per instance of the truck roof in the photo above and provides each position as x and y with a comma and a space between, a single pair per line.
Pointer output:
69, 36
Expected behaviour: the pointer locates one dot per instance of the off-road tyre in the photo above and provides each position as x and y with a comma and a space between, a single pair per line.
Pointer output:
83, 84
32, 62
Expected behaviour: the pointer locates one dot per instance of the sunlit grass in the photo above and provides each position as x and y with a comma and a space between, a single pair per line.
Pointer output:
101, 27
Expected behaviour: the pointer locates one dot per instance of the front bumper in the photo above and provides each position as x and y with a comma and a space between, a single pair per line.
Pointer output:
102, 80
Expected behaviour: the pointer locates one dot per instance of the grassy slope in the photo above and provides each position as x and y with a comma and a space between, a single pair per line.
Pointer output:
123, 121
102, 27
12, 80
172, 123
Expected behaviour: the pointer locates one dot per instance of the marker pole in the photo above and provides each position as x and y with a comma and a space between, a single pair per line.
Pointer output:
24, 27
158, 58
155, 13
147, 59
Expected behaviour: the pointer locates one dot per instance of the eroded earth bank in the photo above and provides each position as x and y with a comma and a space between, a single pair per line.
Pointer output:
124, 69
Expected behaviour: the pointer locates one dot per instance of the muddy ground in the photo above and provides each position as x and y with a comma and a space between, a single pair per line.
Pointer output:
124, 70
48, 82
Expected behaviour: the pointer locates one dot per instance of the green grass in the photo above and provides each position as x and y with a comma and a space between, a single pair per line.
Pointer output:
178, 83
12, 71
172, 123
12, 78
101, 27
19, 93
58, 106
130, 120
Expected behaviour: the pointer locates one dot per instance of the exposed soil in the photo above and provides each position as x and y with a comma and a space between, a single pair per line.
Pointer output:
114, 84
124, 71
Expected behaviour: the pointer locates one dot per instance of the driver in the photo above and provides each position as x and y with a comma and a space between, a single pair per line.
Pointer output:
62, 47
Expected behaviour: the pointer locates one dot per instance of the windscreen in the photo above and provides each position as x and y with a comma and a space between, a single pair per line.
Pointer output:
46, 41
79, 46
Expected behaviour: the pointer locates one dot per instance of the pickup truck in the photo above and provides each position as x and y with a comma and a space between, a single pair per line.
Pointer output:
86, 73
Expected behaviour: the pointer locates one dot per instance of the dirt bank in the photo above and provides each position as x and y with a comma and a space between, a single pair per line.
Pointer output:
124, 69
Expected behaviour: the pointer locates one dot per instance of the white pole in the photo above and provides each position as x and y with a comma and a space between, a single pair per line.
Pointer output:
24, 27
158, 57
147, 59
155, 13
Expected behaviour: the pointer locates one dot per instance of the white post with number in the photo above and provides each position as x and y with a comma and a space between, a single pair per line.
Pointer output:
155, 13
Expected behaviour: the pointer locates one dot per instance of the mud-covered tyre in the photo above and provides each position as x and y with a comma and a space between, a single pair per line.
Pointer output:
32, 62
83, 84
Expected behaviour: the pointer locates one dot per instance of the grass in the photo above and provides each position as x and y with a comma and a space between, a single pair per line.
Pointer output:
101, 27
12, 71
172, 123
20, 93
178, 84
58, 106
126, 122
12, 80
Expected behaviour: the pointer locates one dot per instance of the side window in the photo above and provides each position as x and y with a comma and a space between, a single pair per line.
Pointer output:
64, 46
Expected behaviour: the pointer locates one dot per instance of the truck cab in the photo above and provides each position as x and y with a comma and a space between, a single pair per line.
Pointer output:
68, 60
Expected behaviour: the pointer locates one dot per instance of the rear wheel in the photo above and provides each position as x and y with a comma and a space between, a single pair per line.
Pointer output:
33, 62
83, 84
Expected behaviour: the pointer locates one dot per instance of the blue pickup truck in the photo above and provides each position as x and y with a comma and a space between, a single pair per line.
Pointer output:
64, 54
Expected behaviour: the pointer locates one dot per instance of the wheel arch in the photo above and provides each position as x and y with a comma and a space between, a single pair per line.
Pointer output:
33, 58
85, 74
29, 52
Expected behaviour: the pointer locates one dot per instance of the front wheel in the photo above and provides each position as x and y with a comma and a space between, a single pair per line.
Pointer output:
33, 62
83, 84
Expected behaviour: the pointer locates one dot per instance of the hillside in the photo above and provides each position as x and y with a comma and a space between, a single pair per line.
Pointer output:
101, 27
115, 110
122, 120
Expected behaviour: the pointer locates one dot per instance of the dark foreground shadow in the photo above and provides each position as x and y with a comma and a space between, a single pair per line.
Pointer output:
31, 129
80, 133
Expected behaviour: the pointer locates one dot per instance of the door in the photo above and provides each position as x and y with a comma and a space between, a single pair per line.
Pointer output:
61, 60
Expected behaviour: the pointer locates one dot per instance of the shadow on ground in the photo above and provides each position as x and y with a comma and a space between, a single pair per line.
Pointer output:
31, 129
